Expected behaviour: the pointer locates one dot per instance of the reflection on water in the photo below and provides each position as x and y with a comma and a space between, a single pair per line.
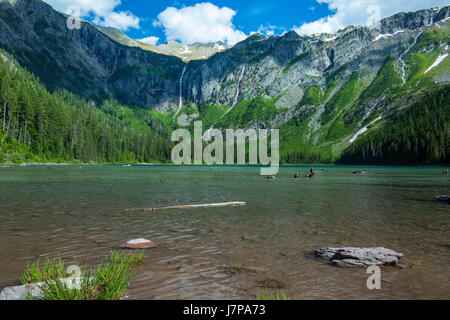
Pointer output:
77, 212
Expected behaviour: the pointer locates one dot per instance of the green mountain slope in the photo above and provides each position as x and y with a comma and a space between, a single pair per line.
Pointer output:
39, 126
419, 134
325, 93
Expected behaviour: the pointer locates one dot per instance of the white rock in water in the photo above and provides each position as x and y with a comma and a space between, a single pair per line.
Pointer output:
138, 244
360, 257
33, 290
138, 241
21, 292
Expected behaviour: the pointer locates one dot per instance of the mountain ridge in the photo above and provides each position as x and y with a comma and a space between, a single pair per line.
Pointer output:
196, 51
324, 92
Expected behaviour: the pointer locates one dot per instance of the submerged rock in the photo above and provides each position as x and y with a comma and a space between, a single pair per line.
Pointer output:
138, 244
359, 257
443, 199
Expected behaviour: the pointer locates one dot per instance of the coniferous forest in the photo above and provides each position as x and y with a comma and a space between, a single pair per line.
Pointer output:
419, 134
38, 126
59, 127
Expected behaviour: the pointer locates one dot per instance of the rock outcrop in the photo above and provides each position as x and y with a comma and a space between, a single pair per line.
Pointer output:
98, 62
33, 291
360, 257
85, 61
22, 292
443, 199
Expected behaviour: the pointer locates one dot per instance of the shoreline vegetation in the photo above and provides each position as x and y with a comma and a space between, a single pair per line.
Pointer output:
56, 280
108, 281
37, 126
168, 164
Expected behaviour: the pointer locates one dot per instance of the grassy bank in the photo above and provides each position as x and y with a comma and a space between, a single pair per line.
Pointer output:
109, 281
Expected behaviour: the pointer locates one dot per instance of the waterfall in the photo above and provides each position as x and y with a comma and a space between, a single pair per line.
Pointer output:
367, 115
207, 134
180, 103
403, 55
238, 85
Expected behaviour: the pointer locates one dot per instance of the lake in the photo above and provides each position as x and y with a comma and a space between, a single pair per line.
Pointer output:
77, 213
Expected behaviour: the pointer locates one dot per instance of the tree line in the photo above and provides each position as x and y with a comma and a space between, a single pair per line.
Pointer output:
61, 127
418, 135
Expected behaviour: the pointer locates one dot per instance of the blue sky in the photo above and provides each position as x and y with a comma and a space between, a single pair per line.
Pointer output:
250, 14
190, 21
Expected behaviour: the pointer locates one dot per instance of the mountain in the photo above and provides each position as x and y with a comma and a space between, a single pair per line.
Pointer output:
86, 61
196, 51
328, 94
39, 126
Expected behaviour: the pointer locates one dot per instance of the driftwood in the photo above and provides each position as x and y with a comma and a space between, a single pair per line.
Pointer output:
195, 206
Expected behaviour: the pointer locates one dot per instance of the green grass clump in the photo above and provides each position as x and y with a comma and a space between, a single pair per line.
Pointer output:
50, 270
110, 280
273, 296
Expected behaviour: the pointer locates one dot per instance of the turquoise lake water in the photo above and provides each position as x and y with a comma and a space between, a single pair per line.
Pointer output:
77, 212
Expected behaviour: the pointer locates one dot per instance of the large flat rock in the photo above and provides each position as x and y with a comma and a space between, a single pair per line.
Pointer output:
360, 257
22, 292
33, 291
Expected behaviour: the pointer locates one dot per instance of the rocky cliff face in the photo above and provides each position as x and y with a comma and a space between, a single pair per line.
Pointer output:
196, 51
289, 64
85, 61
324, 90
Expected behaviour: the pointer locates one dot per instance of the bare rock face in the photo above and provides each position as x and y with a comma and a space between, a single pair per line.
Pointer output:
138, 244
360, 257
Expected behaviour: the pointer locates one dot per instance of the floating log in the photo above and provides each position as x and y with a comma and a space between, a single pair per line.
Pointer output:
194, 206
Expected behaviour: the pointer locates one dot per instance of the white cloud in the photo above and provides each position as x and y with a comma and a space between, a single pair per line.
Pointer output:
103, 12
361, 12
150, 40
269, 30
202, 23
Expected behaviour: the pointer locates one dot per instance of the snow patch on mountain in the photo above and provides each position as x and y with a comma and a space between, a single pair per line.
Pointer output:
387, 35
437, 62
